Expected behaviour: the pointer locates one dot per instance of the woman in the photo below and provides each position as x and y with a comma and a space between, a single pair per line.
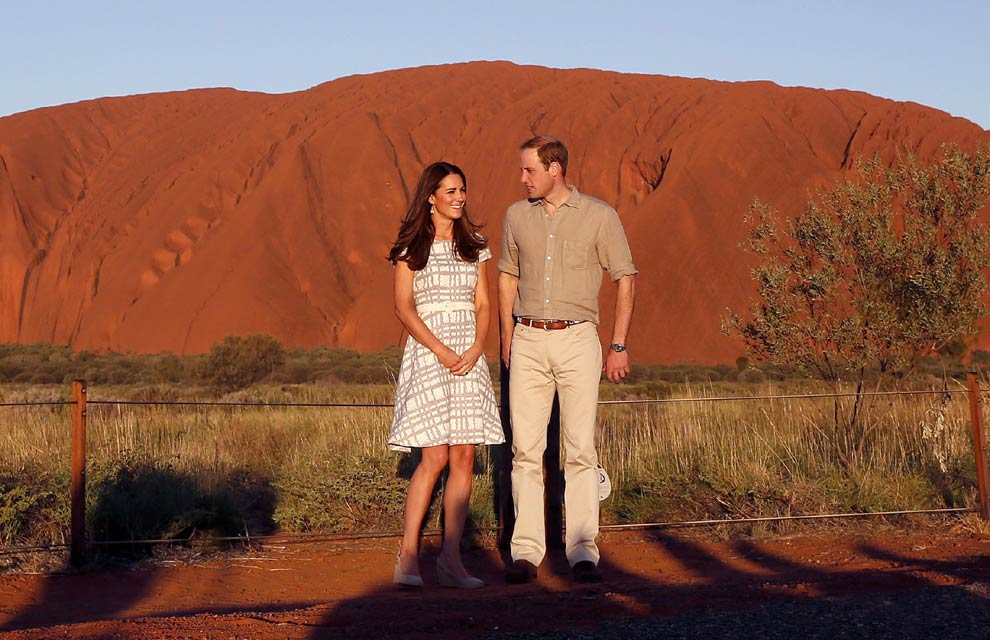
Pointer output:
444, 403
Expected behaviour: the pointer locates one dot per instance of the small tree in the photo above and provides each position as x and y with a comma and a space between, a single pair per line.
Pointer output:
238, 362
877, 272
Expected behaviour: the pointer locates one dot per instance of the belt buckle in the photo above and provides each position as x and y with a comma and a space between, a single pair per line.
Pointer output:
546, 325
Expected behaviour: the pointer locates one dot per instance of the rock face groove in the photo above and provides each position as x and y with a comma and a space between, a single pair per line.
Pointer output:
164, 222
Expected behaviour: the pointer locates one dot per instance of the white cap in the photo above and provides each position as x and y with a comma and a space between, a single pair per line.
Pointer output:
604, 484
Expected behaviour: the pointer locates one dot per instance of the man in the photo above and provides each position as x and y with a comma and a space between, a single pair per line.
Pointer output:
555, 246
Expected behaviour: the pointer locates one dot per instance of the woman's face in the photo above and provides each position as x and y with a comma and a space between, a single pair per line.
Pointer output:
449, 199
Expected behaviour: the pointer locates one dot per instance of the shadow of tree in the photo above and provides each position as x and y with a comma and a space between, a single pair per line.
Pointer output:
137, 500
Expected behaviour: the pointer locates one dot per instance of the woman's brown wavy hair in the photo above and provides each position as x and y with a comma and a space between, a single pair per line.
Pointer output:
416, 232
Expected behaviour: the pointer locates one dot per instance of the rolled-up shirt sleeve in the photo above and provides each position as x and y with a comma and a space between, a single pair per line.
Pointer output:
613, 248
508, 261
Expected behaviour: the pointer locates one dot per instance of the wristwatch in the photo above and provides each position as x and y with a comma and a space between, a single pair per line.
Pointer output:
618, 348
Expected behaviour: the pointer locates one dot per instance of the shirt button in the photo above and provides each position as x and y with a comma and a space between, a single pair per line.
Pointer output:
548, 257
548, 299
548, 277
551, 235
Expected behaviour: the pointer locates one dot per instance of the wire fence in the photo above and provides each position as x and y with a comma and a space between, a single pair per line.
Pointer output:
383, 405
80, 402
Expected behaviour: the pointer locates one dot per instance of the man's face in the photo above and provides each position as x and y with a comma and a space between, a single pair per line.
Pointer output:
535, 177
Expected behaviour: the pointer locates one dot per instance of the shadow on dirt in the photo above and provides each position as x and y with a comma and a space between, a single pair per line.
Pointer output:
136, 500
753, 591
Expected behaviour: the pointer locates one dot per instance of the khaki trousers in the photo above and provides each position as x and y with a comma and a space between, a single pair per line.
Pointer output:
568, 361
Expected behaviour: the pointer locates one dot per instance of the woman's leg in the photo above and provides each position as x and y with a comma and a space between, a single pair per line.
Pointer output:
417, 502
457, 495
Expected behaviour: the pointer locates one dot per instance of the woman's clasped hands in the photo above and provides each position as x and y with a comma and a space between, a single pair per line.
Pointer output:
459, 365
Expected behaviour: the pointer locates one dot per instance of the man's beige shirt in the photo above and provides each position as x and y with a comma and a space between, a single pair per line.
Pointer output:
559, 259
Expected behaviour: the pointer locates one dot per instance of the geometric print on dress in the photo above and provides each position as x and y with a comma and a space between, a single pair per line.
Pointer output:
433, 406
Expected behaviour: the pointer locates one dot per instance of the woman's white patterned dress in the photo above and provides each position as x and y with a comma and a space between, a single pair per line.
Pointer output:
432, 405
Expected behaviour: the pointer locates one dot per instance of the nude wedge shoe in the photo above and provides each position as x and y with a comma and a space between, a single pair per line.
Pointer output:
404, 579
448, 579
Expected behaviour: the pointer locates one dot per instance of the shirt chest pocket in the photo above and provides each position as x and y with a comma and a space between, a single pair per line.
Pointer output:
575, 255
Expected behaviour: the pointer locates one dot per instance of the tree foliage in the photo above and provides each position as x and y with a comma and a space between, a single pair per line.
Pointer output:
237, 362
879, 271
876, 273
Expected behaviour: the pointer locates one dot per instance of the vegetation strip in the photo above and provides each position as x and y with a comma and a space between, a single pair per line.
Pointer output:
261, 459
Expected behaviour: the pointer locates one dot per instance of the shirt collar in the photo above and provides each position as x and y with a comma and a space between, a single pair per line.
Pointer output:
572, 201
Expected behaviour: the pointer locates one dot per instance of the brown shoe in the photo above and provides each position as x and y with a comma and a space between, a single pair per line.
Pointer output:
586, 571
520, 572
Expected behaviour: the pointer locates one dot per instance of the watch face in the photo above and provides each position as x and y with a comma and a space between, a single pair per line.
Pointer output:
618, 348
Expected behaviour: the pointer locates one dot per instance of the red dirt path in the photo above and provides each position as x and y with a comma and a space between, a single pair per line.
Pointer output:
343, 589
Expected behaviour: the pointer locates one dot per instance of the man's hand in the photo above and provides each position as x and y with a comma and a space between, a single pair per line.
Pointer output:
506, 349
616, 365
508, 287
617, 362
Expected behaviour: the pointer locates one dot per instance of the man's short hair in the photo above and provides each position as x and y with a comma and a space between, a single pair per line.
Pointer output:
548, 149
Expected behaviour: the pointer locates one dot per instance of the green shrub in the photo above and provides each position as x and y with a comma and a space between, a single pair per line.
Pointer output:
365, 493
33, 508
170, 368
238, 362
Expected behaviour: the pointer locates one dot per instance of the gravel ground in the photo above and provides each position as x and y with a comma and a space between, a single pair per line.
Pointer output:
956, 613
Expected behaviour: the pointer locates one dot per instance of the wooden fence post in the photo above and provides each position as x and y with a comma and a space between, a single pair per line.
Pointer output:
77, 527
979, 457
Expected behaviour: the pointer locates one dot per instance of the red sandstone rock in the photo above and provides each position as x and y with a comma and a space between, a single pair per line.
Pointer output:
167, 221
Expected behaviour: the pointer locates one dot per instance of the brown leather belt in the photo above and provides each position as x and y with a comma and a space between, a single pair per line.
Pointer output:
547, 325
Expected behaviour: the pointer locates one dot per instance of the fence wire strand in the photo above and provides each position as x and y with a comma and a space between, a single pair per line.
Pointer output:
372, 405
53, 403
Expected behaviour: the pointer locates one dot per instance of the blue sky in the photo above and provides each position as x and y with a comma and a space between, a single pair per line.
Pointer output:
59, 51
